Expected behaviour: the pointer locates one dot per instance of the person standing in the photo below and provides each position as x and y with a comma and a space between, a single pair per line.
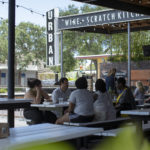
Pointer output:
61, 92
110, 80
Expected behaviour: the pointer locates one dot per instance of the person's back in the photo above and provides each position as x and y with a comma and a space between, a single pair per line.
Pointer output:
103, 107
83, 101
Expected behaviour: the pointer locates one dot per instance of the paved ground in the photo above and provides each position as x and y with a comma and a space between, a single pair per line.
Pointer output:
19, 119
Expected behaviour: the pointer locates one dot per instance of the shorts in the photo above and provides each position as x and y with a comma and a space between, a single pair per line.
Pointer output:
73, 117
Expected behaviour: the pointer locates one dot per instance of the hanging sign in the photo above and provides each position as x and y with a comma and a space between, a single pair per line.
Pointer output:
52, 52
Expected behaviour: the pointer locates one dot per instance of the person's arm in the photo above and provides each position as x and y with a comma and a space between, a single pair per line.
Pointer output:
147, 100
38, 95
55, 96
135, 92
46, 96
71, 107
95, 96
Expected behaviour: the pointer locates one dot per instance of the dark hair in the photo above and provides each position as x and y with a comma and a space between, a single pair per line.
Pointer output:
122, 81
100, 85
62, 80
81, 83
32, 82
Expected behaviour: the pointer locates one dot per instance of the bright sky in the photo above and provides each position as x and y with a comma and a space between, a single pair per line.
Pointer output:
41, 6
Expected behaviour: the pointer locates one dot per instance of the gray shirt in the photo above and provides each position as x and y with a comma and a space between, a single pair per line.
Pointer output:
138, 94
83, 101
58, 93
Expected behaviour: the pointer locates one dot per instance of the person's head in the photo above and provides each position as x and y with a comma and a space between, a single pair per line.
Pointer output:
33, 82
81, 83
100, 85
112, 72
63, 83
121, 83
139, 85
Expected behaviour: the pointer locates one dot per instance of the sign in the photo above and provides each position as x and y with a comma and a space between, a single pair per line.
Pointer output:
52, 52
98, 18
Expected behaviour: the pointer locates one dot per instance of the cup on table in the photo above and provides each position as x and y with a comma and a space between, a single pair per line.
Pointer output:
61, 100
115, 98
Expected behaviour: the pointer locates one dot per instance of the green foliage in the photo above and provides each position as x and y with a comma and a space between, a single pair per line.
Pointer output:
68, 62
19, 89
3, 90
128, 139
3, 41
38, 146
30, 44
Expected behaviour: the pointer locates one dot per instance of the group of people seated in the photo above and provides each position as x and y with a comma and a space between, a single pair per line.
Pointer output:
84, 105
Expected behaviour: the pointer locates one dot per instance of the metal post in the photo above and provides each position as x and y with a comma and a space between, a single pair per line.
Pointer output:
129, 57
61, 53
11, 57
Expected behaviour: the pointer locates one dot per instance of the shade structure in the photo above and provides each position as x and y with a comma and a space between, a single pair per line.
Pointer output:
106, 22
138, 6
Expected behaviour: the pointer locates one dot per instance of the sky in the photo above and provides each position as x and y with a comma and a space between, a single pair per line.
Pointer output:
41, 6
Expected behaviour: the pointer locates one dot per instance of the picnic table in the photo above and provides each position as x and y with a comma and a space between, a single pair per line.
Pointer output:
44, 134
145, 105
138, 115
11, 104
58, 107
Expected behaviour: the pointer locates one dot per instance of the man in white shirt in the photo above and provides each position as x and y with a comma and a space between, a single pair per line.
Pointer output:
62, 91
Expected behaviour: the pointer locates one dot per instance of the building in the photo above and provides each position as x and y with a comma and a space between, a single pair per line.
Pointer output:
20, 76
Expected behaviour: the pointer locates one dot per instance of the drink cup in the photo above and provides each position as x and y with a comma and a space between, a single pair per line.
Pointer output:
60, 100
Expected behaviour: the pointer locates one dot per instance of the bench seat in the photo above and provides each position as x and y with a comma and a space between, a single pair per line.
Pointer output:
108, 124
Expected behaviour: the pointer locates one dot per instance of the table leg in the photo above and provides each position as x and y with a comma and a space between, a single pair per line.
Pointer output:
10, 117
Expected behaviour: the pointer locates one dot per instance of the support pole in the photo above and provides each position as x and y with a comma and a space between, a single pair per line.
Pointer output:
11, 57
129, 56
61, 53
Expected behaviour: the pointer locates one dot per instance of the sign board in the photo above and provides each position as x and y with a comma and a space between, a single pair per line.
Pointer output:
98, 18
52, 51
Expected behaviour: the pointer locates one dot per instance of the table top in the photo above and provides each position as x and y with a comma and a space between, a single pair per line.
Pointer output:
13, 100
145, 105
44, 134
65, 104
137, 112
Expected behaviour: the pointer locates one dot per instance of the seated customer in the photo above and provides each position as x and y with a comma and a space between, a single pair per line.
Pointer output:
80, 104
139, 91
62, 91
125, 99
37, 95
103, 106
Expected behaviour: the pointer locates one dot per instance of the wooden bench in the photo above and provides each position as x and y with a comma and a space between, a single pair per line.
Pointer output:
44, 134
108, 124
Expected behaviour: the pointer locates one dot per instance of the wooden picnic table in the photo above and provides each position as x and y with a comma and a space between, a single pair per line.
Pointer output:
138, 115
59, 108
44, 134
145, 105
10, 105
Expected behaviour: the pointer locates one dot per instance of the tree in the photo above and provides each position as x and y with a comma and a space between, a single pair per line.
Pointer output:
3, 41
30, 44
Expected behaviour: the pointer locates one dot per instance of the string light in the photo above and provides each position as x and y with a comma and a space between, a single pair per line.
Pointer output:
32, 11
